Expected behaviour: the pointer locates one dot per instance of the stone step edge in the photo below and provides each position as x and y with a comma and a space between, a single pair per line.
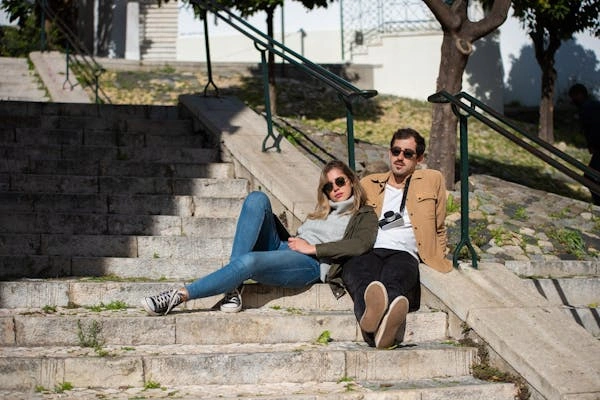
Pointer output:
112, 366
58, 327
554, 268
455, 387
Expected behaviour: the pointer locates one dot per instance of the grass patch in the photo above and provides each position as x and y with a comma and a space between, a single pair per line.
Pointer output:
324, 338
91, 336
484, 371
114, 305
152, 385
62, 387
49, 309
570, 240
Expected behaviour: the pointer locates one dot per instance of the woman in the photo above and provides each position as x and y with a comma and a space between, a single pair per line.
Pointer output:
341, 226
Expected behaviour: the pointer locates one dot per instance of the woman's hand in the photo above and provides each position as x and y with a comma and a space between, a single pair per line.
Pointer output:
301, 246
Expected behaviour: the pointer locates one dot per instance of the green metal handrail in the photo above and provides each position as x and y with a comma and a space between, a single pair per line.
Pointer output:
464, 106
347, 92
89, 70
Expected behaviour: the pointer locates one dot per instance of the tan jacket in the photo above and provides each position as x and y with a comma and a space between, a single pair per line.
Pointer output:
426, 206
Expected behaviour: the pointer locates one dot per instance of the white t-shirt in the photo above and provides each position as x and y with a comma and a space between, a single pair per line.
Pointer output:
401, 237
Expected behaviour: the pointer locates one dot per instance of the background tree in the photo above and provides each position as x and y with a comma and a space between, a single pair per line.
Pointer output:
28, 15
549, 23
459, 35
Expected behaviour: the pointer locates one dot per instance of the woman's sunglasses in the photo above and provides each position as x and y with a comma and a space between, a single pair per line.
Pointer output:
408, 153
340, 181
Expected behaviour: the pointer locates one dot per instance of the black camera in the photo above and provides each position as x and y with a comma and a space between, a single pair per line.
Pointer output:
391, 220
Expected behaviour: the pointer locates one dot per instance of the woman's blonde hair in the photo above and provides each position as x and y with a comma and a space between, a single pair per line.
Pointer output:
323, 208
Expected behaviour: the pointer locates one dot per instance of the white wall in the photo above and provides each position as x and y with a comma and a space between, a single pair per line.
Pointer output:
518, 73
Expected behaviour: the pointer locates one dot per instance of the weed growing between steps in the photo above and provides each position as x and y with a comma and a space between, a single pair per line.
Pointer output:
91, 336
349, 383
59, 388
486, 372
324, 338
115, 305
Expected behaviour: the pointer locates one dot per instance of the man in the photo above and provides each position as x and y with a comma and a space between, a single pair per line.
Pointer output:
411, 204
589, 117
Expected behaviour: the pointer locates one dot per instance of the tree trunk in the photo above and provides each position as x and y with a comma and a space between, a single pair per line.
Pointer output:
546, 128
271, 63
545, 52
443, 131
459, 35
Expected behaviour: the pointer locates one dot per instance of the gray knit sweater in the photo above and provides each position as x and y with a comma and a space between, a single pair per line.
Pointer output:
330, 229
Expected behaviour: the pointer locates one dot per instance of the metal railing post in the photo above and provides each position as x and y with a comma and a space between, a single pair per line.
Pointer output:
346, 90
265, 72
465, 240
350, 133
208, 62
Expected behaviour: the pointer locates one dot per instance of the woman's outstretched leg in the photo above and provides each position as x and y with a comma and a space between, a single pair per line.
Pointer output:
256, 229
285, 268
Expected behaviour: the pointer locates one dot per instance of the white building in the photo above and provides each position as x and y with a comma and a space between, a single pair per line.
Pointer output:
404, 62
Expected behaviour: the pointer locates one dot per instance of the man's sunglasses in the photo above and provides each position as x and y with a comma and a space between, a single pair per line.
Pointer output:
408, 153
340, 181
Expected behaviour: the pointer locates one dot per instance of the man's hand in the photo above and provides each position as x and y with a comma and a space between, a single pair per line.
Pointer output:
301, 246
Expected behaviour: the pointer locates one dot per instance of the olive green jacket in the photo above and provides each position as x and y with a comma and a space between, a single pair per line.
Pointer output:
358, 238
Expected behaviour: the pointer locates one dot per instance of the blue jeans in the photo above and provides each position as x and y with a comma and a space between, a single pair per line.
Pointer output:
258, 253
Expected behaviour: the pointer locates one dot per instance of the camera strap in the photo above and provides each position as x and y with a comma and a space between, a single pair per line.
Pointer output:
403, 203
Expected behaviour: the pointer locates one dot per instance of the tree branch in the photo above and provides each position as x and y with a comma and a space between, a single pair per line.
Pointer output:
444, 14
492, 20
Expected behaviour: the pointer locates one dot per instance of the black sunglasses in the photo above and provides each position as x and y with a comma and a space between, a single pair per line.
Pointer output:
340, 181
408, 153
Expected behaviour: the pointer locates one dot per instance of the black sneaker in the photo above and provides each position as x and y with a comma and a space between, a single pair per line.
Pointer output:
163, 303
232, 302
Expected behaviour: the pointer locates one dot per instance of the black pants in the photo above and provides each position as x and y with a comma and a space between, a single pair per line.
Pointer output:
397, 270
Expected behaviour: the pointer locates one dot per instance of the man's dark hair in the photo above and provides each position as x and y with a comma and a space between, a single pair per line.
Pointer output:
407, 133
578, 89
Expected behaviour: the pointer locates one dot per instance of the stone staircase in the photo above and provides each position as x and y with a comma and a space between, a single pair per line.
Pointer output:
17, 82
103, 205
573, 285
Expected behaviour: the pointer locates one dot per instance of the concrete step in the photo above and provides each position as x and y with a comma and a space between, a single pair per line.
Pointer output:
77, 184
113, 246
35, 266
85, 292
160, 154
69, 326
87, 122
457, 388
17, 83
28, 96
576, 291
106, 111
573, 284
117, 168
143, 138
121, 224
142, 204
554, 268
248, 363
